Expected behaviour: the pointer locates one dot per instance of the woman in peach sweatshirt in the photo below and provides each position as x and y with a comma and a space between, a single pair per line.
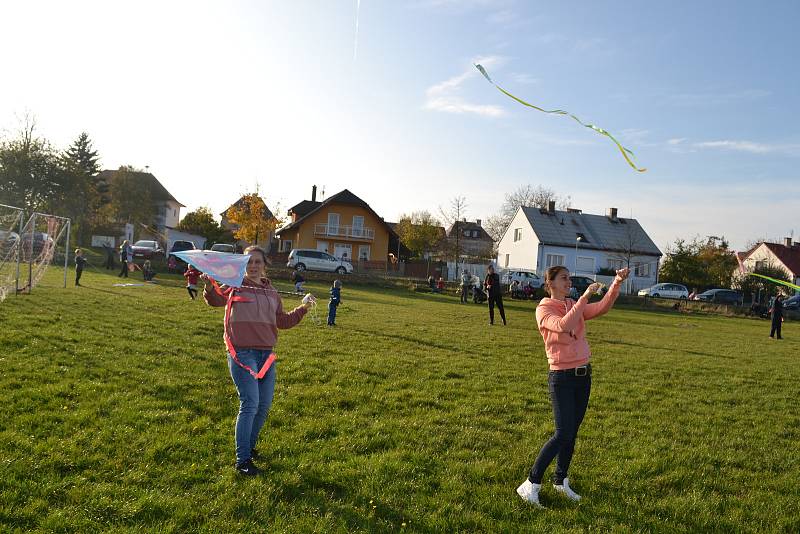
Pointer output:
562, 323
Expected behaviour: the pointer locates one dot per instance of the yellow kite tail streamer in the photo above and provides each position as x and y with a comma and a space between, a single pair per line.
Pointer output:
627, 154
776, 281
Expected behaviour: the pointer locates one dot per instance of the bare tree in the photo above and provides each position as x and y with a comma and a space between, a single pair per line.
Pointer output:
632, 241
452, 216
528, 196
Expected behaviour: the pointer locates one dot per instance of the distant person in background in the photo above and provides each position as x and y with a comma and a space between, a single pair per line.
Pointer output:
777, 316
109, 264
336, 299
125, 256
495, 291
172, 264
80, 261
466, 284
440, 285
147, 271
693, 294
192, 275
298, 281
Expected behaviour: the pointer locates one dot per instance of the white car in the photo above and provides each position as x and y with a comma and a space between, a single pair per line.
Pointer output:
302, 259
523, 277
665, 291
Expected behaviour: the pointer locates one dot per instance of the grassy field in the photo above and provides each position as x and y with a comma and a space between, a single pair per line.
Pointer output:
412, 415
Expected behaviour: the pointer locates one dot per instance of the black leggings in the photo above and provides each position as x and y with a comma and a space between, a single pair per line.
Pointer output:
192, 292
569, 395
776, 328
496, 299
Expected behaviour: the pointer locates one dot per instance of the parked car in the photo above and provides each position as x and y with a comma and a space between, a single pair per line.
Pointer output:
40, 240
147, 249
666, 291
180, 246
8, 240
792, 303
579, 285
523, 277
223, 247
303, 259
720, 296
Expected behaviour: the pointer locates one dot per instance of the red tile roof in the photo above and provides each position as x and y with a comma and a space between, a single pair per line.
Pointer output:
789, 256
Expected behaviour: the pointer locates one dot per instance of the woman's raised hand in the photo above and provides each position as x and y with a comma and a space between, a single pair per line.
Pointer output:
622, 274
592, 289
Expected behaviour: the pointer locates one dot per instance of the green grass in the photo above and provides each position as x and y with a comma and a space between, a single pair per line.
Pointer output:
412, 415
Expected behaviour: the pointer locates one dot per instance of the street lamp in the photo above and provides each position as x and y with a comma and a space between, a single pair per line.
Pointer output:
577, 240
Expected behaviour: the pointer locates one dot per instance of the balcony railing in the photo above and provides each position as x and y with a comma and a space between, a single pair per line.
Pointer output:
344, 231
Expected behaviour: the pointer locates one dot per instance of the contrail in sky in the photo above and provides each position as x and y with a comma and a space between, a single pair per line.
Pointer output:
355, 47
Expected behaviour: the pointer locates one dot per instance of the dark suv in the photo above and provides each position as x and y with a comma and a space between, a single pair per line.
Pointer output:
180, 246
720, 296
147, 249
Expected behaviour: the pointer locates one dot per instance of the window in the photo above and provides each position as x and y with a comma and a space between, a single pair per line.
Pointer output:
642, 270
585, 265
474, 233
358, 225
466, 233
287, 245
616, 264
554, 259
508, 257
363, 252
761, 265
174, 213
517, 234
333, 224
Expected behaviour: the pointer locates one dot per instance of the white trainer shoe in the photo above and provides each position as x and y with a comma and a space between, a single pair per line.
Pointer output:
530, 492
567, 491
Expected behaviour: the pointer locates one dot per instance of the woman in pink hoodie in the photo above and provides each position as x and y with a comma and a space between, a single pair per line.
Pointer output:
562, 323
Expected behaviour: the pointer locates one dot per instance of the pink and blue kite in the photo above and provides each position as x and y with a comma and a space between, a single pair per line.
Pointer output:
225, 268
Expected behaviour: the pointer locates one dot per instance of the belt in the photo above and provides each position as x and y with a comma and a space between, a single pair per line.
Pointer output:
583, 370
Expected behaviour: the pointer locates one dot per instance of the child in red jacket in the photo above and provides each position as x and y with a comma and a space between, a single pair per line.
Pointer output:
192, 275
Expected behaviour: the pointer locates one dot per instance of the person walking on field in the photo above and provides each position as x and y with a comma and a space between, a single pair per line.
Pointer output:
254, 313
495, 291
80, 262
777, 317
562, 323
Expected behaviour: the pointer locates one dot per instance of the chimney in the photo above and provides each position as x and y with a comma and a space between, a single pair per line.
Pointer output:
465, 219
551, 206
478, 222
787, 242
612, 214
313, 193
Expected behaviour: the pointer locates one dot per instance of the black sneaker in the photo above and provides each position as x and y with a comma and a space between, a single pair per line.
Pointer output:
254, 454
247, 468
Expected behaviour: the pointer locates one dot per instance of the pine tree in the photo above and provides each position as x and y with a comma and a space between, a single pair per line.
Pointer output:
83, 198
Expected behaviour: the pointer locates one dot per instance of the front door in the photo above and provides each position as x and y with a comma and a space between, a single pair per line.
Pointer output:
343, 251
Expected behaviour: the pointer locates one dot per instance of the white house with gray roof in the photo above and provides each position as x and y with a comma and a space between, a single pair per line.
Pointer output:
538, 239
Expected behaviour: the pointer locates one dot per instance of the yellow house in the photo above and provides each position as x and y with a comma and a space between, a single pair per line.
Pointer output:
342, 225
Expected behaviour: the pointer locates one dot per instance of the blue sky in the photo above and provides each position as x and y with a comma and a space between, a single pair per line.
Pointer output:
215, 97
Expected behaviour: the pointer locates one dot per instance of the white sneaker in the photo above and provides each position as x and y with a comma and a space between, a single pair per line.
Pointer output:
567, 491
530, 492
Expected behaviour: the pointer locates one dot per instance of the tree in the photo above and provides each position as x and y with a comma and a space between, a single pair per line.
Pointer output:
81, 199
452, 216
131, 197
253, 218
419, 232
31, 176
757, 287
699, 264
528, 196
201, 222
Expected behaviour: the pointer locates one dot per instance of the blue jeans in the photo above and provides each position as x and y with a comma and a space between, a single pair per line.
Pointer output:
255, 398
569, 395
332, 312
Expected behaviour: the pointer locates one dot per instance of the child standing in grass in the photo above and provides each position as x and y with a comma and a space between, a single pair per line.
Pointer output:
562, 323
298, 280
336, 299
80, 261
192, 275
254, 313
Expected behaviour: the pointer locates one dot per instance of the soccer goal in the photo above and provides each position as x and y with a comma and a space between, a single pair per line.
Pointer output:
11, 223
44, 239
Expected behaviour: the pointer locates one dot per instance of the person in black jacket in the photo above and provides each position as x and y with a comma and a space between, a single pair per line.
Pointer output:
495, 291
777, 317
